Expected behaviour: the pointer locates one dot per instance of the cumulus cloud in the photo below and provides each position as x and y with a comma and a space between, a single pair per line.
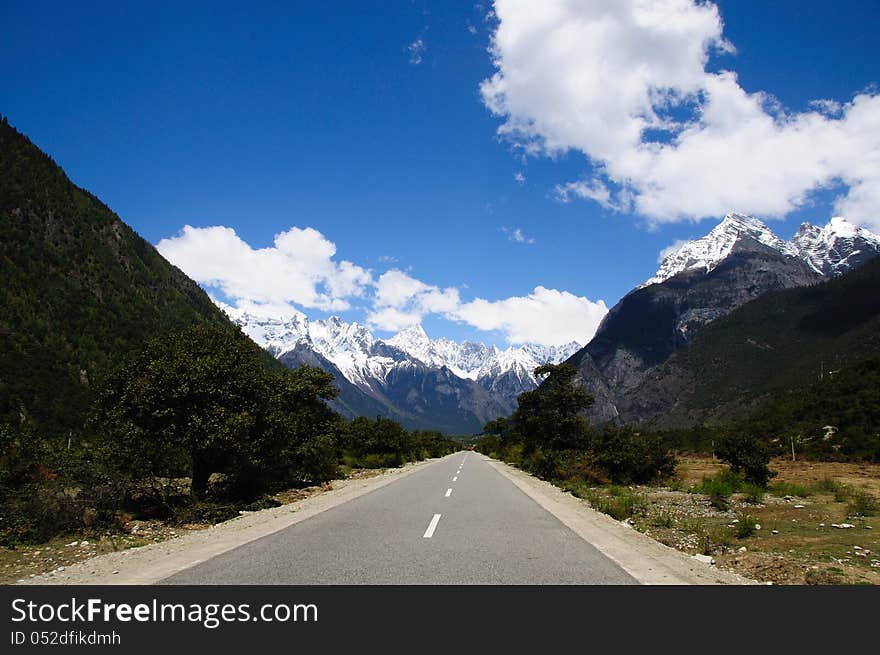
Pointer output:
545, 316
298, 269
626, 83
401, 301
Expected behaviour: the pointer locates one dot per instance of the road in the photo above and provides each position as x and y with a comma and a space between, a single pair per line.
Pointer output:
457, 521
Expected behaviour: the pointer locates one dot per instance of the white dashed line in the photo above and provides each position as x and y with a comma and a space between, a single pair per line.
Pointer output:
455, 479
448, 492
431, 527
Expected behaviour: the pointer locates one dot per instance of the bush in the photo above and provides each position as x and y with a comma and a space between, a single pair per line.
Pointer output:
746, 526
619, 503
862, 503
748, 455
719, 490
628, 457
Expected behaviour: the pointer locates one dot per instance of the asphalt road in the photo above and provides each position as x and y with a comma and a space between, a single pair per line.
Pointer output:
457, 521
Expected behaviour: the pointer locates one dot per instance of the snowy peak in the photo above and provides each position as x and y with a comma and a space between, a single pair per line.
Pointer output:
831, 250
363, 359
709, 251
835, 248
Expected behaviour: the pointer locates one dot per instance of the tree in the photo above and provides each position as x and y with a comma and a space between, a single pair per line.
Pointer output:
551, 415
305, 426
196, 398
747, 454
498, 426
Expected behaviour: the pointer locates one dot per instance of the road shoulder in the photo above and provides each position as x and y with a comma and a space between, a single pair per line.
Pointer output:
647, 560
155, 562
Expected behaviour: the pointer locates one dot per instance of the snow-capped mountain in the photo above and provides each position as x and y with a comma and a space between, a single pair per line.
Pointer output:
379, 367
830, 250
476, 361
835, 248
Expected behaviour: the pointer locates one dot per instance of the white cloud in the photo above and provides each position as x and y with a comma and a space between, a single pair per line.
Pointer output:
416, 51
401, 300
519, 177
299, 268
300, 271
546, 316
516, 235
626, 83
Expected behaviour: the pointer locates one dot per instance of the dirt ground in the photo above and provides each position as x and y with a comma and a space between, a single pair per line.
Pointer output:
807, 531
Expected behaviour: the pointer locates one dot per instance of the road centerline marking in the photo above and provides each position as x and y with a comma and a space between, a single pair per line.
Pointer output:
455, 479
431, 527
448, 492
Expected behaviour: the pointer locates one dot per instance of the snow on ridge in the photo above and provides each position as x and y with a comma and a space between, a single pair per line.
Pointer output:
826, 250
355, 351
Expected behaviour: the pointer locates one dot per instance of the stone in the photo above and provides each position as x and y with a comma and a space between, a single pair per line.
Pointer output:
706, 559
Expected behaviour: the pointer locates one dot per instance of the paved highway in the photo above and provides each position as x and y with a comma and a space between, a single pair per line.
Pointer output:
457, 521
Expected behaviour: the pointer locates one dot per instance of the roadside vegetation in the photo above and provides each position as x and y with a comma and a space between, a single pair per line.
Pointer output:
724, 493
194, 428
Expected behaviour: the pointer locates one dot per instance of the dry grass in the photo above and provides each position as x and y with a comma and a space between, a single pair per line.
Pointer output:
805, 548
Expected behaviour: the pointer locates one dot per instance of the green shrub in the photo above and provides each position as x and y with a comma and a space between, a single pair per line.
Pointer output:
628, 457
747, 454
862, 503
752, 493
746, 526
619, 502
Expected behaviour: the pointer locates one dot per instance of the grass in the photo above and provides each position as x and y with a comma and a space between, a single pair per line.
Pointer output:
782, 489
861, 503
619, 503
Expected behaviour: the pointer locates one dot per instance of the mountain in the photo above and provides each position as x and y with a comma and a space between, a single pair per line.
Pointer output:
836, 248
80, 289
770, 350
698, 283
424, 383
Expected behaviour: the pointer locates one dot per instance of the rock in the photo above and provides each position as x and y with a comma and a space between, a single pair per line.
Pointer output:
742, 549
73, 543
798, 506
821, 525
115, 572
706, 559
83, 543
775, 531
857, 548
757, 526
842, 526
735, 521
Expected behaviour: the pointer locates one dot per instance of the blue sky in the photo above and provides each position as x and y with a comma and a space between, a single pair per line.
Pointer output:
366, 122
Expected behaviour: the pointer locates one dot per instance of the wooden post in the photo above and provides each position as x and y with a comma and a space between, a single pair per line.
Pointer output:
792, 449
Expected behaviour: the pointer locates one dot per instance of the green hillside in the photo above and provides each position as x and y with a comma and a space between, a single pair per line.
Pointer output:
80, 289
772, 347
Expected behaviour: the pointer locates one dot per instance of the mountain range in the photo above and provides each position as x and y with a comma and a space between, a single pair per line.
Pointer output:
456, 387
81, 290
699, 282
422, 382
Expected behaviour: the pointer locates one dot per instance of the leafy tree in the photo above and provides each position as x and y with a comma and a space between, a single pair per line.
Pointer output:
747, 454
629, 457
307, 429
197, 397
551, 415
